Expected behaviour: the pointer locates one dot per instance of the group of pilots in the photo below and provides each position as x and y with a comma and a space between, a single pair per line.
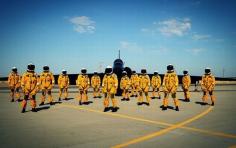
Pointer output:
140, 84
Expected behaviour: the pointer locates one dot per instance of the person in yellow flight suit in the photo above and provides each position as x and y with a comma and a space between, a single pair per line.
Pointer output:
29, 85
207, 85
125, 85
186, 82
144, 84
63, 83
156, 84
134, 84
83, 84
46, 82
109, 88
14, 84
170, 86
96, 83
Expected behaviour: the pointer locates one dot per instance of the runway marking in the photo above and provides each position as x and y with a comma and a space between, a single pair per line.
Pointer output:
161, 132
152, 122
209, 132
117, 115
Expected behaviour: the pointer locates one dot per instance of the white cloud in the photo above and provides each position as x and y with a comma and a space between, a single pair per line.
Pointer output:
195, 51
130, 46
176, 27
83, 24
201, 37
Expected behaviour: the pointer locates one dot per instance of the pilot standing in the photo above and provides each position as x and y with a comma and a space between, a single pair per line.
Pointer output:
207, 85
109, 88
156, 84
95, 83
134, 84
170, 86
63, 83
125, 85
186, 82
144, 84
14, 84
83, 84
29, 85
47, 82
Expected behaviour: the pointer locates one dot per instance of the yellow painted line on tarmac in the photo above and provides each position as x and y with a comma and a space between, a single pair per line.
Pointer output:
117, 115
161, 132
209, 132
152, 122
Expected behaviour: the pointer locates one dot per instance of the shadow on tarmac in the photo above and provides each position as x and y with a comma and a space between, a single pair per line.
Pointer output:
201, 103
168, 107
183, 100
43, 108
67, 99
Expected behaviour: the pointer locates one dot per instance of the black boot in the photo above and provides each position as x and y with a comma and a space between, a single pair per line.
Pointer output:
51, 103
212, 104
80, 103
12, 100
123, 99
148, 104
139, 103
177, 108
114, 109
106, 109
34, 110
59, 99
164, 108
23, 110
127, 99
42, 103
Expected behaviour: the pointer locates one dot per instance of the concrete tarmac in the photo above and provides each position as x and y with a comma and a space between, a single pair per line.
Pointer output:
67, 124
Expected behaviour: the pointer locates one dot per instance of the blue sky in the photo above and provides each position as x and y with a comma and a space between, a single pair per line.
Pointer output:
190, 34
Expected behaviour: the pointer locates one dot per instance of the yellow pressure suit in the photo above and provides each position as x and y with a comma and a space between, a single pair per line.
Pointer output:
63, 83
95, 83
156, 84
207, 85
144, 84
125, 85
46, 82
14, 82
186, 82
83, 84
170, 85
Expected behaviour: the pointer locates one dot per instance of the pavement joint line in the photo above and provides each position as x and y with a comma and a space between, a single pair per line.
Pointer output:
163, 131
212, 133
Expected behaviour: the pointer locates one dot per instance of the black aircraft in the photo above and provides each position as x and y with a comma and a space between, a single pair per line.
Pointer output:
118, 68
